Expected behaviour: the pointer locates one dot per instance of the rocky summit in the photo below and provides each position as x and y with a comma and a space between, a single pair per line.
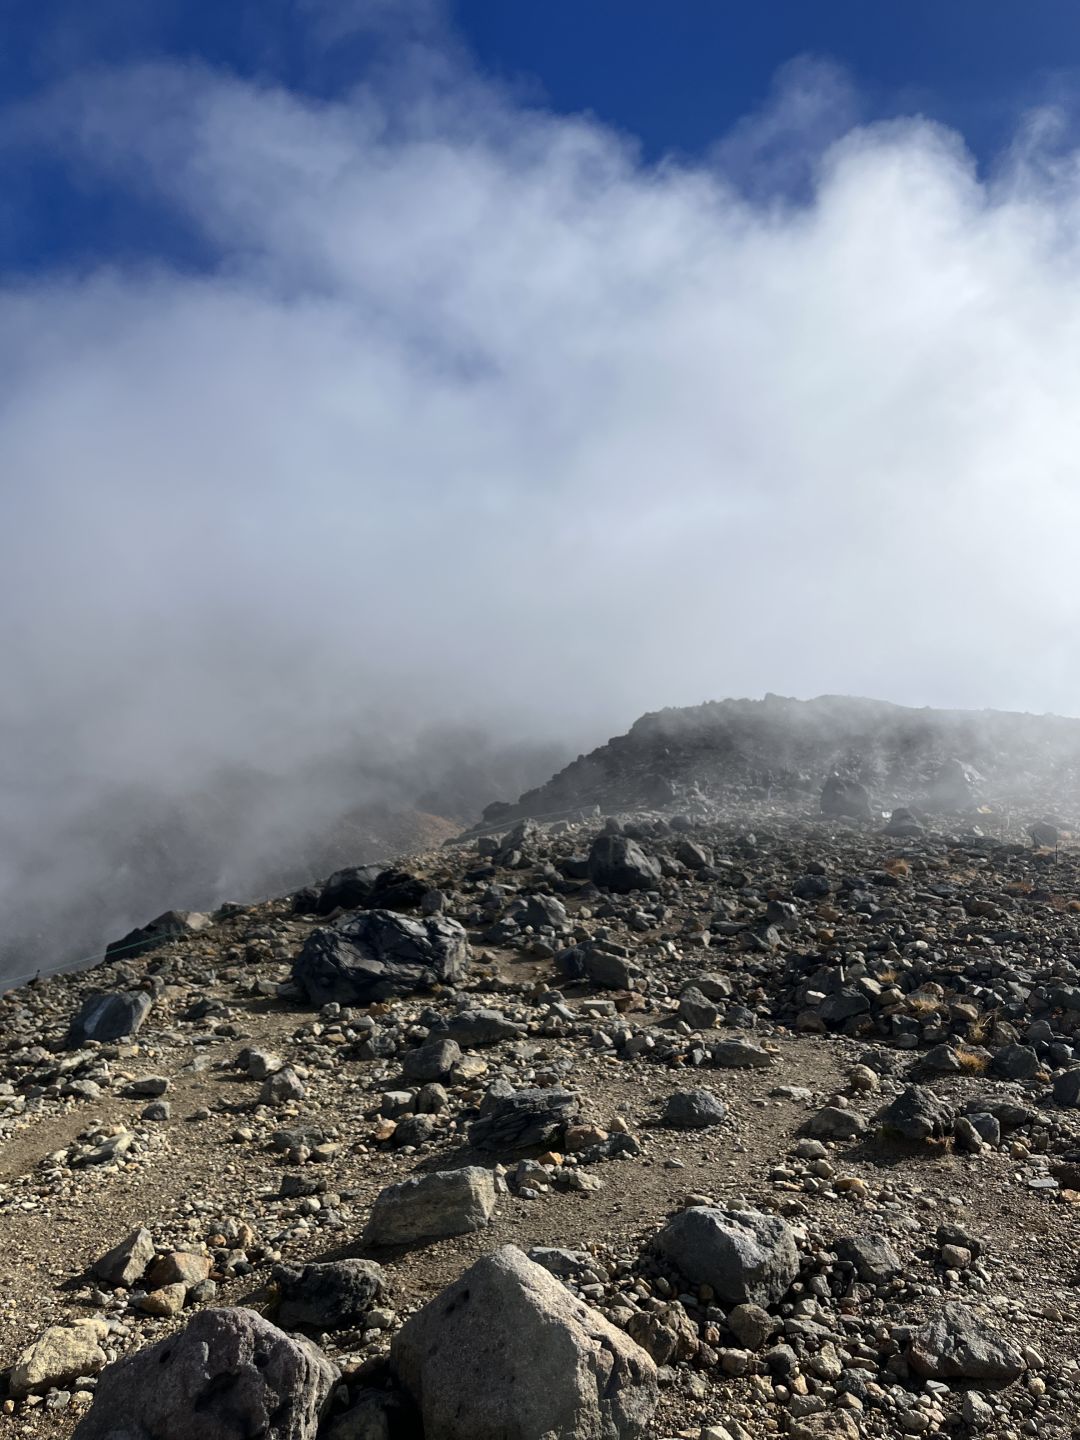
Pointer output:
726, 1087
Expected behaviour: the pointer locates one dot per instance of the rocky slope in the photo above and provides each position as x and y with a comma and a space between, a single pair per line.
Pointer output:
777, 751
660, 1124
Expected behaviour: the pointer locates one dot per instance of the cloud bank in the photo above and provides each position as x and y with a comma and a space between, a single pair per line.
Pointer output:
471, 416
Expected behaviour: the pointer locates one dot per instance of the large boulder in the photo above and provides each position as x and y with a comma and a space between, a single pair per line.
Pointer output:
524, 1120
378, 954
229, 1376
327, 1296
362, 887
427, 1207
693, 1109
956, 786
170, 926
917, 1114
956, 1344
595, 962
348, 889
745, 1255
840, 796
507, 1353
108, 1015
618, 863
59, 1355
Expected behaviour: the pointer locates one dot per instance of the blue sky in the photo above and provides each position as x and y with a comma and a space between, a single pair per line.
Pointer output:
677, 77
533, 366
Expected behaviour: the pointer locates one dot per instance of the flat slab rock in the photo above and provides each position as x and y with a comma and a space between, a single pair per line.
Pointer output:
507, 1353
229, 1376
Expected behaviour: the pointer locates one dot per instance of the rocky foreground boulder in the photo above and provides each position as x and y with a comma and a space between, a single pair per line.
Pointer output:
378, 954
744, 1255
427, 1207
109, 1016
230, 1375
507, 1353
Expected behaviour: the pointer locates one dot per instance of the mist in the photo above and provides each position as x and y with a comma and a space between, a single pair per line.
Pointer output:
456, 416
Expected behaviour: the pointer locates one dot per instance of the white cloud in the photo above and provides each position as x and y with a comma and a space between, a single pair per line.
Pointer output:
477, 415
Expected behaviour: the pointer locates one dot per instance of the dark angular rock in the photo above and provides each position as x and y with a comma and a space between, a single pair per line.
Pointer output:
126, 1262
746, 1256
903, 824
148, 937
1016, 1062
698, 1012
917, 1114
845, 797
108, 1016
874, 1258
480, 1026
958, 1345
524, 1120
378, 954
694, 1109
330, 1296
620, 864
1066, 1089
598, 966
433, 1060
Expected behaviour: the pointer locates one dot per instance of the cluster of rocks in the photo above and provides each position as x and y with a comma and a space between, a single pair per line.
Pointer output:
419, 1062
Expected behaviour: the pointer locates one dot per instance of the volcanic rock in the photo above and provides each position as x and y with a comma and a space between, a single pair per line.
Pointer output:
507, 1353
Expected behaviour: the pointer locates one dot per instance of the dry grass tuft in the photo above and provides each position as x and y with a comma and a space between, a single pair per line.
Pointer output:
972, 1062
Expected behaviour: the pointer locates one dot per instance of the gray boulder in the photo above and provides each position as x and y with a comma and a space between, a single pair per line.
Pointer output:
904, 823
835, 1123
165, 927
694, 1109
958, 1345
1066, 1089
126, 1262
746, 1256
1016, 1062
698, 1012
741, 1055
845, 797
106, 1016
955, 787
378, 954
229, 1375
917, 1114
427, 1207
433, 1060
327, 1296
507, 1353
874, 1259
597, 965
618, 863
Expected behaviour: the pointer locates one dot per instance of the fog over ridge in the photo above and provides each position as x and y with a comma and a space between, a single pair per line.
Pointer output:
475, 418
